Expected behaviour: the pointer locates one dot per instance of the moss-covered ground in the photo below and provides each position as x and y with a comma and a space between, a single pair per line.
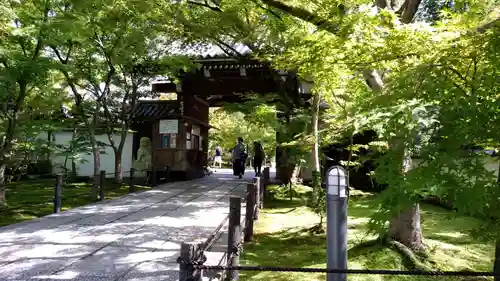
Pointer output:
283, 238
31, 199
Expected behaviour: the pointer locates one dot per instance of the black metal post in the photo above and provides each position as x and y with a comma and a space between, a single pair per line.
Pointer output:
57, 194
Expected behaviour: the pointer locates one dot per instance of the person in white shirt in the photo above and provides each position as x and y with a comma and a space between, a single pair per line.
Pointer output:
218, 157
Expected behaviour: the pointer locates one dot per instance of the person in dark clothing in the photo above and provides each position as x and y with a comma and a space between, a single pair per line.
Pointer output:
239, 158
258, 157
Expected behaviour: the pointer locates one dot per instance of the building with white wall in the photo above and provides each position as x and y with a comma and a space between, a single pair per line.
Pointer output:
87, 167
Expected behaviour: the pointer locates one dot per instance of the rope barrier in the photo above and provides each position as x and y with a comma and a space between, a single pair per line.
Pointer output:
341, 271
213, 237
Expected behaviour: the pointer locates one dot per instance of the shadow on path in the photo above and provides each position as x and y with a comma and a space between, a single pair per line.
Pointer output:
123, 239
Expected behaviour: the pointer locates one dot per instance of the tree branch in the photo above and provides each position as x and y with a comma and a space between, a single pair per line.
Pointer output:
39, 43
409, 11
23, 47
213, 8
489, 25
70, 48
381, 4
304, 15
458, 74
58, 54
220, 42
473, 82
125, 82
268, 10
109, 62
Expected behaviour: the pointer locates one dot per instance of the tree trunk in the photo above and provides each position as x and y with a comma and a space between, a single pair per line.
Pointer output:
97, 168
74, 174
65, 169
315, 151
3, 166
284, 168
118, 166
71, 148
405, 228
97, 156
496, 265
118, 151
48, 155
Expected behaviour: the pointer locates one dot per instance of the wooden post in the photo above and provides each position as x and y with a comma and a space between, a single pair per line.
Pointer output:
102, 180
256, 182
261, 188
190, 252
57, 194
154, 145
234, 237
153, 176
267, 176
131, 183
250, 210
167, 173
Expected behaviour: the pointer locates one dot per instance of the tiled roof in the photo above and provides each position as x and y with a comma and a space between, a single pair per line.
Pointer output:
155, 108
208, 50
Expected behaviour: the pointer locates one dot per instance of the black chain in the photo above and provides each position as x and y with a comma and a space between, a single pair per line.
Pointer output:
345, 271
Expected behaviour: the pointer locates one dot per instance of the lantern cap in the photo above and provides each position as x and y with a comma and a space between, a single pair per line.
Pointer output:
337, 182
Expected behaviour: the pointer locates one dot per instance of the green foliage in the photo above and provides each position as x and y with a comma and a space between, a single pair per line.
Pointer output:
438, 84
30, 96
457, 99
229, 125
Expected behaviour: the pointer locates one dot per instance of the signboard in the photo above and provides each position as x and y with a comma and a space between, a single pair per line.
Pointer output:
169, 127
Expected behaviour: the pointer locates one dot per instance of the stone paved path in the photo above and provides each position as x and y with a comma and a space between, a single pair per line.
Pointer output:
136, 237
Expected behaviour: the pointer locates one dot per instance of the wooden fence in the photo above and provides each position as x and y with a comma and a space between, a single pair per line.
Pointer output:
193, 252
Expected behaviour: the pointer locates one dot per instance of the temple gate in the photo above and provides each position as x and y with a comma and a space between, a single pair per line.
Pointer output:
178, 129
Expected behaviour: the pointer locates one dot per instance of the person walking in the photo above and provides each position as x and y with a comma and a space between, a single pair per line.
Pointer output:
239, 158
258, 157
218, 157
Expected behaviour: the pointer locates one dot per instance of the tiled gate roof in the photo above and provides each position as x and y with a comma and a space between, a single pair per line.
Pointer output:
152, 109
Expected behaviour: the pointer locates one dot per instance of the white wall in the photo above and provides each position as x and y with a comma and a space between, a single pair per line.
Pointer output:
107, 159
